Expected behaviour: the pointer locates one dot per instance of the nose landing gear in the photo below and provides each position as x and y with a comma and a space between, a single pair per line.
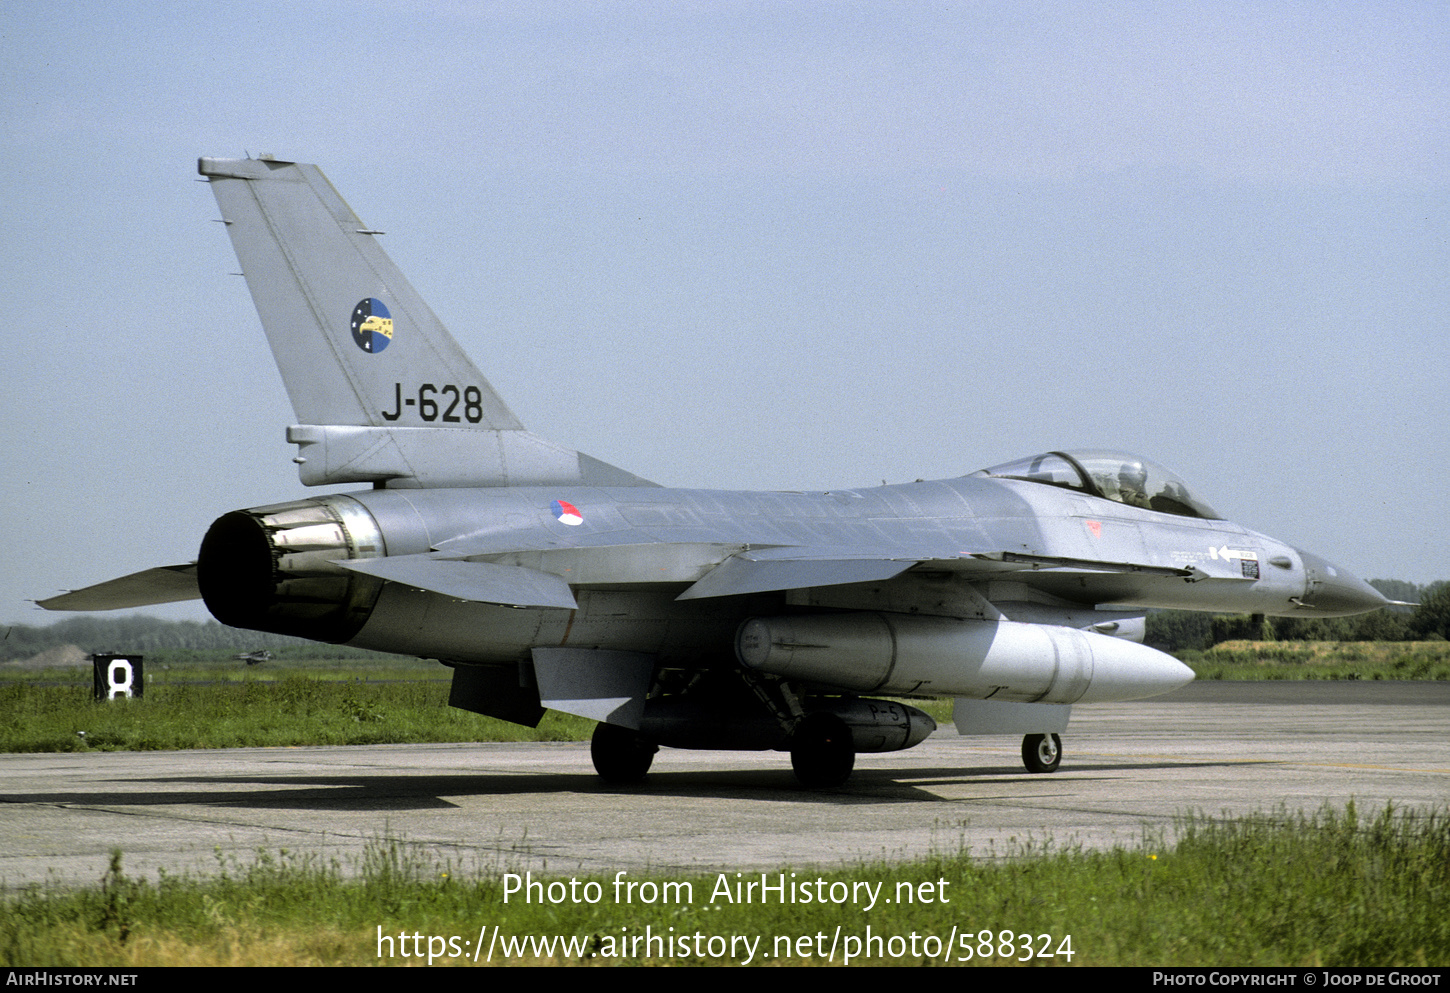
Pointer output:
1042, 752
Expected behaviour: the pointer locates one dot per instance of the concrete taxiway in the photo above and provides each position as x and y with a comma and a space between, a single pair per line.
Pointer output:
1129, 769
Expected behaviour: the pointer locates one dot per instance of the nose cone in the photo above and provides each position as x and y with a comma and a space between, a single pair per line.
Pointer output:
1329, 591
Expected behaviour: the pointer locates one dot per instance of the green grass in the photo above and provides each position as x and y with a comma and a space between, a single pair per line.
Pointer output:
1332, 889
166, 668
294, 710
1342, 660
225, 704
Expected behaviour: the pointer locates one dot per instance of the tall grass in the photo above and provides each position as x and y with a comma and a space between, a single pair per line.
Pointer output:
295, 710
1281, 660
1331, 889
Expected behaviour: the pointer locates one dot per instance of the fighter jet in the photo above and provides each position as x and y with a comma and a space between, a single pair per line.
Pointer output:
788, 621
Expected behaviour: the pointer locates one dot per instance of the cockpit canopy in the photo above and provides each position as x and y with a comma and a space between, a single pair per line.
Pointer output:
1121, 476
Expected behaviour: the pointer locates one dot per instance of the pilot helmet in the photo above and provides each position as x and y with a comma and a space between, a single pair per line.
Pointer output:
1132, 474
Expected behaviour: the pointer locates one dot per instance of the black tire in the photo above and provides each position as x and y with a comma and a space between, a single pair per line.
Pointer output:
821, 751
621, 755
1042, 752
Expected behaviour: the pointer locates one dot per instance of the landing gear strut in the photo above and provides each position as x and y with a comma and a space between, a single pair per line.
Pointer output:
821, 752
1041, 752
621, 755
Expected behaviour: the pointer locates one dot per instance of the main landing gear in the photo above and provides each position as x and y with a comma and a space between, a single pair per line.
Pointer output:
1042, 752
821, 751
621, 755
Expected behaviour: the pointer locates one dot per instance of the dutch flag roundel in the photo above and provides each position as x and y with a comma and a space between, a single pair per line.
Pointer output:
567, 512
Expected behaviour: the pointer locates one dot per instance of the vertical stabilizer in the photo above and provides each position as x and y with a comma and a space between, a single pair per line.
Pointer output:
382, 391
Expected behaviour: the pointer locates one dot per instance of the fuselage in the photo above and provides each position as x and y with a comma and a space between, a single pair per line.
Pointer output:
630, 554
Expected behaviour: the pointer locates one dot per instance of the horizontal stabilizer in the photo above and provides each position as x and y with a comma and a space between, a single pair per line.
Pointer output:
790, 569
165, 584
483, 582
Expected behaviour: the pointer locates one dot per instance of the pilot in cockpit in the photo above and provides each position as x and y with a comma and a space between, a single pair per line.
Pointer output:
1132, 486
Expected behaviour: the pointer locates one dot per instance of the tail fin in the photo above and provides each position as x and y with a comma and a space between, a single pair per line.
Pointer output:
383, 392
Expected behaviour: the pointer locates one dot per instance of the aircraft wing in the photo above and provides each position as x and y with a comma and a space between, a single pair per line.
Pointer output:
746, 571
483, 582
715, 569
786, 568
759, 571
164, 584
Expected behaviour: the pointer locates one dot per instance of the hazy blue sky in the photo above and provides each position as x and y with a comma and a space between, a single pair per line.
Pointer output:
751, 245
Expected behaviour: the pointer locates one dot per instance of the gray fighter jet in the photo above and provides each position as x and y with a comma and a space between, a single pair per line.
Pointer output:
689, 618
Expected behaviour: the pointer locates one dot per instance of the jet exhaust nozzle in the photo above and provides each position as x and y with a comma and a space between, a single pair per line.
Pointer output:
273, 568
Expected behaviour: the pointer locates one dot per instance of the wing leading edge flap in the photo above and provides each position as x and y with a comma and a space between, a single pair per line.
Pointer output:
793, 568
766, 570
484, 582
1061, 564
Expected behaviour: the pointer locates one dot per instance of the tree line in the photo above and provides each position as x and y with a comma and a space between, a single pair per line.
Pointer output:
141, 634
1174, 630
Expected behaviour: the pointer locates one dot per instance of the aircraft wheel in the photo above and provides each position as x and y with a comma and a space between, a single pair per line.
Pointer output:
821, 752
1042, 752
621, 755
